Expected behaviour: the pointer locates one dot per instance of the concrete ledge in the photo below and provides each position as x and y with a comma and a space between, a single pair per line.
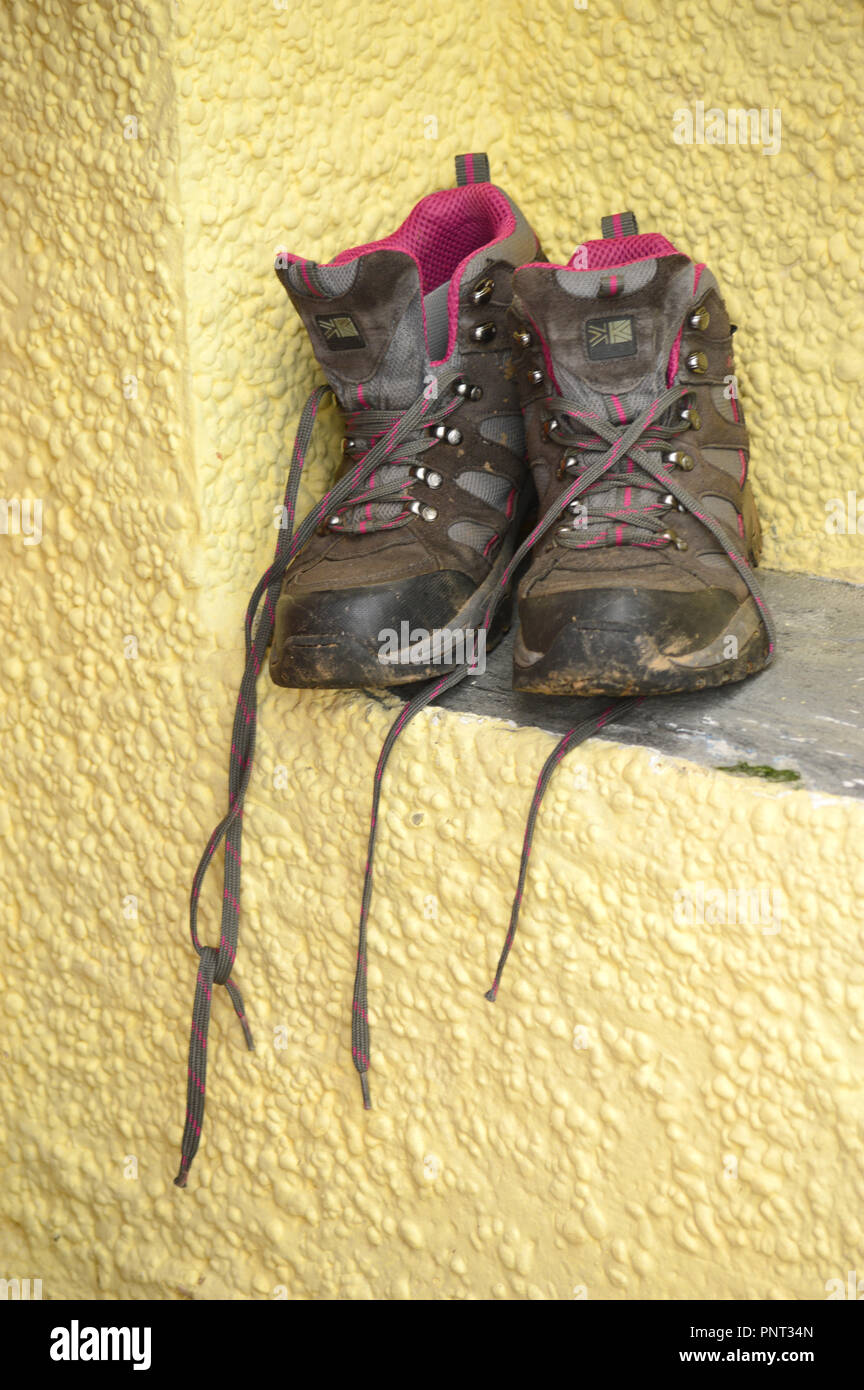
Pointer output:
801, 721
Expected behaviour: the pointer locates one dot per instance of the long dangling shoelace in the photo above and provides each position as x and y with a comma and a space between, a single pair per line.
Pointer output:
634, 441
215, 963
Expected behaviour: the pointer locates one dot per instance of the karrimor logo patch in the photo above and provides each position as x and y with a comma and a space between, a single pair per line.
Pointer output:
339, 332
76, 1343
610, 337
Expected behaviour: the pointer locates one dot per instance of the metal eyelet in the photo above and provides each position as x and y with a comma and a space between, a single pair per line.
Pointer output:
578, 510
426, 475
334, 520
676, 540
347, 444
697, 362
670, 501
484, 332
468, 392
536, 378
700, 318
549, 427
422, 509
523, 339
449, 436
679, 460
692, 416
567, 461
483, 291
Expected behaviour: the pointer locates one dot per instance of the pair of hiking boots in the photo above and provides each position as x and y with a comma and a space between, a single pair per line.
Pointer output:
641, 583
499, 409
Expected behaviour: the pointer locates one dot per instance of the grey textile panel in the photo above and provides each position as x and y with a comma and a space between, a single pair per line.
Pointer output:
508, 430
332, 279
585, 284
489, 487
437, 322
727, 460
471, 533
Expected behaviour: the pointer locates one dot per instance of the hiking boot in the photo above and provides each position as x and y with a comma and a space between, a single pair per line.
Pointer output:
398, 577
633, 426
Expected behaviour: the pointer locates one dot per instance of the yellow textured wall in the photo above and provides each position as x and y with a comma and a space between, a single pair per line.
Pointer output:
650, 1110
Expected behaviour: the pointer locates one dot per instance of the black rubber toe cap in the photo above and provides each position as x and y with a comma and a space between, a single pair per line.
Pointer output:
333, 637
676, 622
635, 641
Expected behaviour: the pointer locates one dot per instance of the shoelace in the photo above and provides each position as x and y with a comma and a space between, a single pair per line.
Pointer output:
605, 524
216, 963
623, 442
611, 525
380, 506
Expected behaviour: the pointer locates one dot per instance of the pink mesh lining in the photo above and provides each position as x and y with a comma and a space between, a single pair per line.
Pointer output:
445, 229
441, 235
611, 252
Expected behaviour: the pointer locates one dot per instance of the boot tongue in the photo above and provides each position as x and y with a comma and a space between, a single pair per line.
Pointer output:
364, 318
609, 319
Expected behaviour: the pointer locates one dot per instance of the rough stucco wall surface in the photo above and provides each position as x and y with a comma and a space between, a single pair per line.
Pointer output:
653, 1108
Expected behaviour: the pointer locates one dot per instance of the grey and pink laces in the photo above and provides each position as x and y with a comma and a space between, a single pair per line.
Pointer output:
637, 441
215, 964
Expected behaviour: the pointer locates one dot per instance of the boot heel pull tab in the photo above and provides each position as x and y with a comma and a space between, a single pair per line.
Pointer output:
619, 224
472, 168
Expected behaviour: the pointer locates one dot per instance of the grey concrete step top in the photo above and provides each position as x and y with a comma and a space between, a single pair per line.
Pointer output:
803, 717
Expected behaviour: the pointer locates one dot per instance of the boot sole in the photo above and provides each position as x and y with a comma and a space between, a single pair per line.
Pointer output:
620, 662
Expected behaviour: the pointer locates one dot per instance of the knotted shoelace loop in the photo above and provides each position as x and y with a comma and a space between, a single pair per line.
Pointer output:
631, 440
216, 963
